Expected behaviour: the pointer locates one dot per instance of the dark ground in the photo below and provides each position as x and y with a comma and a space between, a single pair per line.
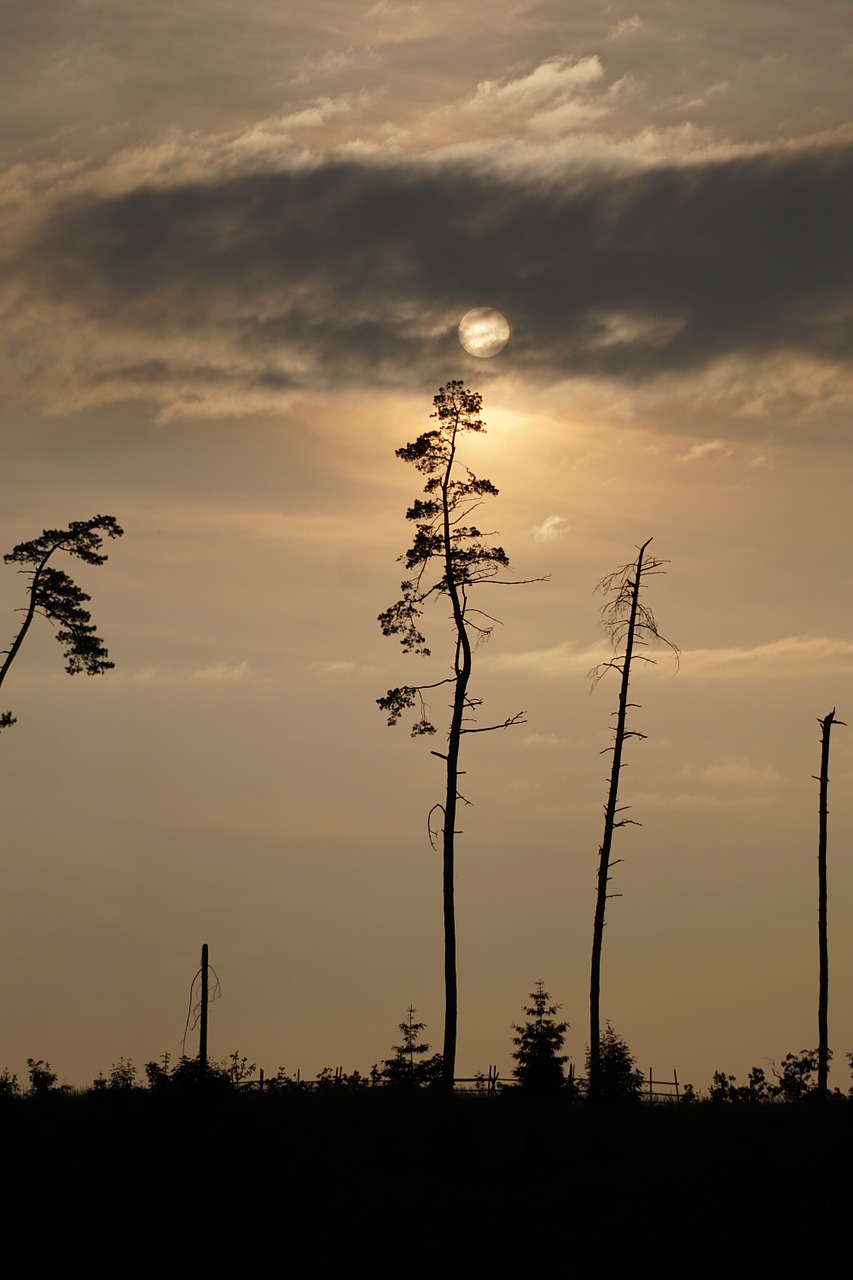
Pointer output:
324, 1186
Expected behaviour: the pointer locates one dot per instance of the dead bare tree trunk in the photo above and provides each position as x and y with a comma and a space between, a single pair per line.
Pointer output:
823, 980
202, 1034
630, 625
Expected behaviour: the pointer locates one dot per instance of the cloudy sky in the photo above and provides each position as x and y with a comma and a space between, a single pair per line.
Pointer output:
237, 243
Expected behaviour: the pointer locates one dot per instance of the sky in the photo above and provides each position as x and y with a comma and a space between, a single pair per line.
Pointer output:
237, 244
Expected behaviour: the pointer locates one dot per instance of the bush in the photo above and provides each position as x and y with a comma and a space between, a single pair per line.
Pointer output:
42, 1080
9, 1087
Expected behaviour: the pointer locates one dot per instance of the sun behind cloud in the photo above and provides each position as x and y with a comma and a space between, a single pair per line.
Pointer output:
483, 332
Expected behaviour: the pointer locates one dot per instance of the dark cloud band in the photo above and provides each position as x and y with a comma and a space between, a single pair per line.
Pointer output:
348, 272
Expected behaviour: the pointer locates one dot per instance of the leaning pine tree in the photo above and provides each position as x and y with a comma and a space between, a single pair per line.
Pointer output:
53, 595
447, 560
630, 626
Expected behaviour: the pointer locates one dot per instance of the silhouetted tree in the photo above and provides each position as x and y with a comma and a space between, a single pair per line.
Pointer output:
409, 1066
447, 560
56, 597
726, 1088
188, 1076
823, 979
619, 1078
9, 1086
794, 1082
43, 1080
122, 1079
538, 1044
630, 626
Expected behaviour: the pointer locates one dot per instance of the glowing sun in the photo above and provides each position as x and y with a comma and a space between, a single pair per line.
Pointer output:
483, 332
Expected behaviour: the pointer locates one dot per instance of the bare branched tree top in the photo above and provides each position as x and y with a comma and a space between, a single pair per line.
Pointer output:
618, 590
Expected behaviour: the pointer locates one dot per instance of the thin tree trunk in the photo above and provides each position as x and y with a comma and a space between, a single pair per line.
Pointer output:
823, 981
444, 538
607, 841
25, 625
462, 672
202, 1035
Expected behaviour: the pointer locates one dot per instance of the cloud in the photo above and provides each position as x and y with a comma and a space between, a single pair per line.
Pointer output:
215, 673
334, 667
332, 273
693, 803
549, 84
557, 661
738, 772
550, 528
322, 110
333, 62
791, 657
219, 671
709, 449
558, 93
625, 27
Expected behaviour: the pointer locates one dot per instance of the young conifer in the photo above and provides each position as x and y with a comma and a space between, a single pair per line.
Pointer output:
538, 1043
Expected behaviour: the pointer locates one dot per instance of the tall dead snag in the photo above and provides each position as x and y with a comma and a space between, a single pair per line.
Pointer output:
447, 560
823, 981
205, 1000
630, 626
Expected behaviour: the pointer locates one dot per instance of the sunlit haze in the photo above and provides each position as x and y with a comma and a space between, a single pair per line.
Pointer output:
238, 244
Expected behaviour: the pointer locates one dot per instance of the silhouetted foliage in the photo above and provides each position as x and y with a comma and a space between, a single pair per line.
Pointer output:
335, 1078
799, 1077
282, 1082
539, 1063
239, 1069
757, 1089
188, 1075
9, 1086
43, 1080
56, 597
620, 1079
796, 1081
410, 1067
329, 1080
447, 543
630, 625
122, 1078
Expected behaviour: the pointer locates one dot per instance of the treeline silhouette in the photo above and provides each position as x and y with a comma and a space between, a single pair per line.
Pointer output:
540, 1069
